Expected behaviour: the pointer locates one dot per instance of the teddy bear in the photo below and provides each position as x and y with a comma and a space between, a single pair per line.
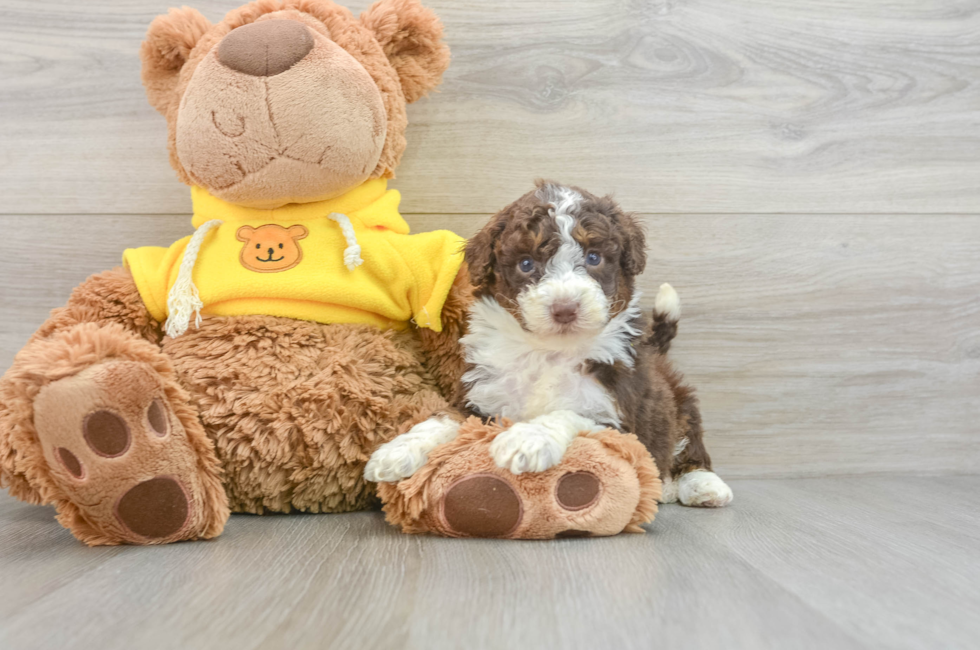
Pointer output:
254, 365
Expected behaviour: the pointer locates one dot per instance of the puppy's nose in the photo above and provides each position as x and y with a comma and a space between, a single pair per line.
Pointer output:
265, 48
564, 313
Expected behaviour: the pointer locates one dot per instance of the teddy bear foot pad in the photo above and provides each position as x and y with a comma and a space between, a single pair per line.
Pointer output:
606, 484
120, 454
484, 505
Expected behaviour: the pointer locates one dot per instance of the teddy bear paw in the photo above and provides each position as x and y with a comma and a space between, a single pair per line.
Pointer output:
121, 456
605, 483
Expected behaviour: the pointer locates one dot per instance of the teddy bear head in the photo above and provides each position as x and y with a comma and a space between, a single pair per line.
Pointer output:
290, 101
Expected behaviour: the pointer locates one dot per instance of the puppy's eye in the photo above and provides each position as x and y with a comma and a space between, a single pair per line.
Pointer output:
526, 265
593, 259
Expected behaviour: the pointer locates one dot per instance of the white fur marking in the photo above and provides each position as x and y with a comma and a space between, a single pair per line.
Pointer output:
703, 488
668, 493
569, 258
520, 375
680, 446
565, 278
563, 200
539, 444
524, 373
668, 303
406, 454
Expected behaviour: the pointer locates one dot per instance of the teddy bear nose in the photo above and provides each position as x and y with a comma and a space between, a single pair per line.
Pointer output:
265, 48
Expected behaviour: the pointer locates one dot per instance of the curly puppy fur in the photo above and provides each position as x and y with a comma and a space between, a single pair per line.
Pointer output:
557, 268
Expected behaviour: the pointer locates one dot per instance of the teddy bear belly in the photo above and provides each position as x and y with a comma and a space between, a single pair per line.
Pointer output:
295, 408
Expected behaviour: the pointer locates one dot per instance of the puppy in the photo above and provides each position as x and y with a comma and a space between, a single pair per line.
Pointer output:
557, 342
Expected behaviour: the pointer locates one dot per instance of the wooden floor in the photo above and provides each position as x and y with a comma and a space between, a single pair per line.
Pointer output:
806, 563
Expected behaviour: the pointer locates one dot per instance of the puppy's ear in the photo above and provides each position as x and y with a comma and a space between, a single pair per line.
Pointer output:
633, 258
480, 252
411, 37
168, 44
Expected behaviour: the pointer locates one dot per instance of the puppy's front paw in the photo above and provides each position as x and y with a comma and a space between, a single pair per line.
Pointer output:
526, 447
406, 454
704, 489
395, 460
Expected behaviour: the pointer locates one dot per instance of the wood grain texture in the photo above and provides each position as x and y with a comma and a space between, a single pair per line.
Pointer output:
820, 345
841, 563
693, 106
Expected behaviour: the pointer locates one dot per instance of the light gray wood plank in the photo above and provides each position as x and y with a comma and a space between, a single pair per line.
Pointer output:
700, 106
349, 581
62, 251
819, 345
38, 555
891, 581
829, 345
792, 563
667, 589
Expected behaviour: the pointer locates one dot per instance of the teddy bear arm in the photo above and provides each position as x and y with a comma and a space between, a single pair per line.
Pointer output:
443, 352
103, 298
90, 407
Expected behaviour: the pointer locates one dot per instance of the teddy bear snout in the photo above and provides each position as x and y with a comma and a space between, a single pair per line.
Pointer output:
265, 48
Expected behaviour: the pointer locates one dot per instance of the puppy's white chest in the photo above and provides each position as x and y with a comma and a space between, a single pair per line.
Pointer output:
537, 386
517, 375
566, 388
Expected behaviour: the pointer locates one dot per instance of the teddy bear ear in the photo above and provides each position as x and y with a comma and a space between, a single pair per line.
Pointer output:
411, 37
168, 44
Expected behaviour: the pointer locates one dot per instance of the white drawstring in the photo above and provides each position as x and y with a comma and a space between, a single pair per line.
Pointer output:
352, 254
183, 299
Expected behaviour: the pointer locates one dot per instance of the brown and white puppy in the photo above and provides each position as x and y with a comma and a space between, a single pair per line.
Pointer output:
556, 341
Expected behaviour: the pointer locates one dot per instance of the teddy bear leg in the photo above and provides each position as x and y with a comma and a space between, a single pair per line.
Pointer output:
98, 426
605, 484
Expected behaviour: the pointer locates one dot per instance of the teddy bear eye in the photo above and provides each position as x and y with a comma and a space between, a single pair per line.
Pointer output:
280, 245
258, 245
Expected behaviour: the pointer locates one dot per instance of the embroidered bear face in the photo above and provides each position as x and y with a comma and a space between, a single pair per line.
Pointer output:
271, 248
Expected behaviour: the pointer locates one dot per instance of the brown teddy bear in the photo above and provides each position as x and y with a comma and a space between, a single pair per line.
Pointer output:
255, 365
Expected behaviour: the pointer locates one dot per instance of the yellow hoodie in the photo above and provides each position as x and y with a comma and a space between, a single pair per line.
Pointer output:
344, 260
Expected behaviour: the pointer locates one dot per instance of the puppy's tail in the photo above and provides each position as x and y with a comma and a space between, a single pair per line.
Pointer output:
666, 314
